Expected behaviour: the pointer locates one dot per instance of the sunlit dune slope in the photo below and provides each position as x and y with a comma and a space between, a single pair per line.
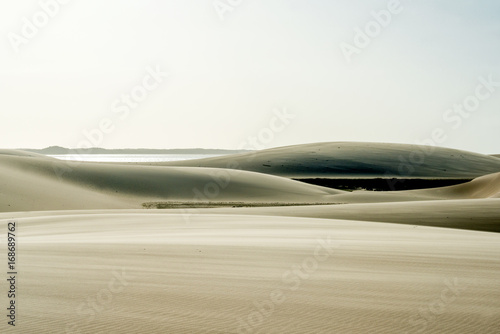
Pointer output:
40, 183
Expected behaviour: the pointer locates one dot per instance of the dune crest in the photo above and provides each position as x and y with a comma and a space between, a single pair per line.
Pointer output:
487, 186
26, 180
356, 159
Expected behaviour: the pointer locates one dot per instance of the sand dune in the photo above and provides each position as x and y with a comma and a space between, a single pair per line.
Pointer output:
487, 186
26, 178
352, 159
475, 214
155, 273
21, 153
388, 267
30, 182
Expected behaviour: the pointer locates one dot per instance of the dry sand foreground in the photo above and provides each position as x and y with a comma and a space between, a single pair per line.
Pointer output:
90, 259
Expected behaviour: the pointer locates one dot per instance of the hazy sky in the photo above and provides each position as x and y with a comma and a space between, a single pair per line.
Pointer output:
234, 65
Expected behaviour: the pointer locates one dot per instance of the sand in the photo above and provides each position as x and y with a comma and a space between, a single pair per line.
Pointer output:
353, 159
92, 259
26, 179
114, 272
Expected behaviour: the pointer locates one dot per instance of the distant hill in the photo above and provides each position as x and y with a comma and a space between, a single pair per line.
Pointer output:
56, 150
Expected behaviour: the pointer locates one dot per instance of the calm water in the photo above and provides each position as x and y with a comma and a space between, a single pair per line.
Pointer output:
132, 157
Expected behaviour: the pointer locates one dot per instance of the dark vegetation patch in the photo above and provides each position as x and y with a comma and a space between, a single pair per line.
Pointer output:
178, 205
383, 184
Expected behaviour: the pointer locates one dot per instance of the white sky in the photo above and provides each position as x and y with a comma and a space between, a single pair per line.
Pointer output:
227, 76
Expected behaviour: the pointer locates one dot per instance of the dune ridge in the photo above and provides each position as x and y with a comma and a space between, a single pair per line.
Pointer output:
487, 186
467, 214
25, 179
355, 159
